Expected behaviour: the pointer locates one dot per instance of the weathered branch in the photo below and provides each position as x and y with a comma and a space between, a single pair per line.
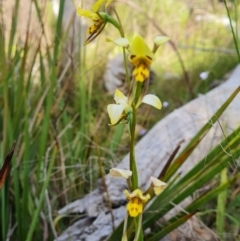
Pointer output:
152, 153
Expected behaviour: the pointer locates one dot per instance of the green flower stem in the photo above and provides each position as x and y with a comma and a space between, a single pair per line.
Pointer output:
120, 28
138, 228
124, 237
137, 94
129, 182
133, 166
107, 18
121, 31
126, 66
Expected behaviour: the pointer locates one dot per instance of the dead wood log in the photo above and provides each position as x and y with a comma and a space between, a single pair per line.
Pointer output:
152, 152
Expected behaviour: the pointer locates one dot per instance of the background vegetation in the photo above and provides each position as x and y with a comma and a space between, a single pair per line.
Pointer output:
54, 105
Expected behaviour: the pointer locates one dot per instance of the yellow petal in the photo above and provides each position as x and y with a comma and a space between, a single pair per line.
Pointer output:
92, 29
160, 40
158, 185
135, 207
120, 98
141, 73
156, 182
123, 42
138, 47
114, 112
88, 14
99, 3
137, 193
127, 194
152, 100
158, 190
108, 2
117, 172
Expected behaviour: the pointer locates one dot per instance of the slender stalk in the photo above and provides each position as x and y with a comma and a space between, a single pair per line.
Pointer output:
235, 37
133, 166
124, 236
126, 66
138, 225
102, 175
221, 205
42, 195
49, 100
121, 31
137, 94
4, 128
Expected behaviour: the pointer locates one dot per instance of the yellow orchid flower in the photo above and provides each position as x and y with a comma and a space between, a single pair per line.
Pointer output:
99, 19
120, 110
141, 58
136, 201
158, 185
140, 54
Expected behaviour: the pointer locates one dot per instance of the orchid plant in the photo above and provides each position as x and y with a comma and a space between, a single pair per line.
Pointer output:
124, 111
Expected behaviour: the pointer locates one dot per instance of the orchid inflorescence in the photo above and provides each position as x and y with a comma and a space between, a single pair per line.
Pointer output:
124, 110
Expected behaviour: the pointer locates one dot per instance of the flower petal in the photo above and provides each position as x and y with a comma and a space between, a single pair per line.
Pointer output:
88, 14
158, 185
160, 40
114, 112
135, 207
141, 73
120, 98
117, 172
127, 194
152, 100
137, 193
123, 42
138, 47
99, 3
108, 2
